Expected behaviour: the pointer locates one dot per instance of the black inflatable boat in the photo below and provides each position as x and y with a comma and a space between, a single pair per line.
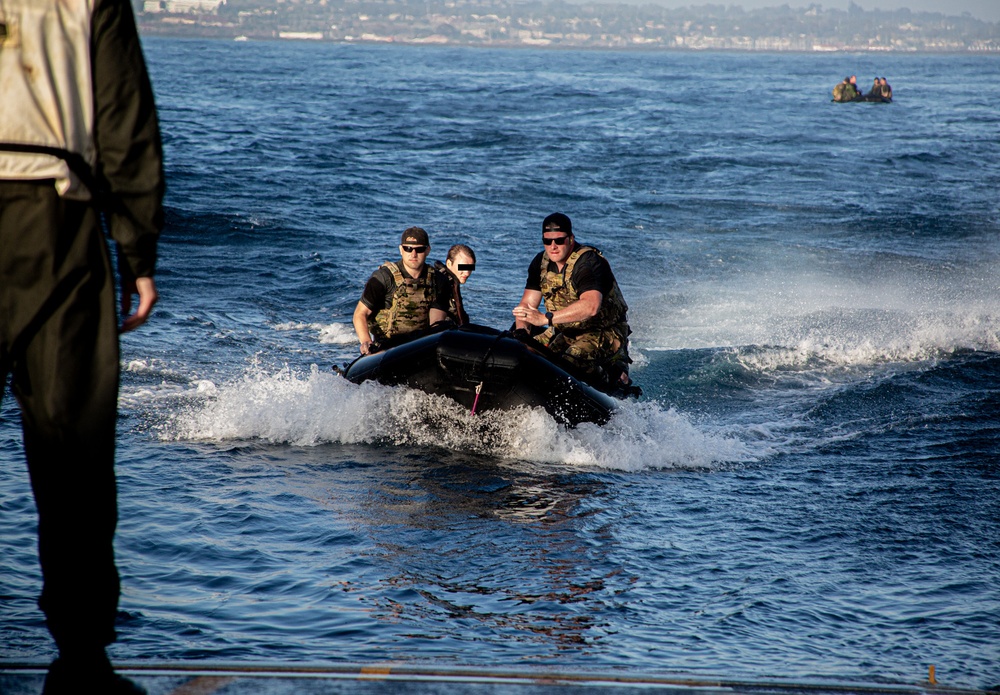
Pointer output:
485, 369
872, 98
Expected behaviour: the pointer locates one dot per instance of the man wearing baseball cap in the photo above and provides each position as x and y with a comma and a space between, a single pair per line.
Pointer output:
400, 297
585, 321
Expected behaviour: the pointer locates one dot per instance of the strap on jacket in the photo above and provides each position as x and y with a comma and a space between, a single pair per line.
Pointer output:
74, 160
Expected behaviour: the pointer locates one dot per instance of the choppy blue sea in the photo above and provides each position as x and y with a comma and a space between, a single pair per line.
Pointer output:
809, 488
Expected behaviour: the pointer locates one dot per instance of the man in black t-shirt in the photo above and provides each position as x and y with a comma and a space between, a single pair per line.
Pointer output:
586, 319
401, 297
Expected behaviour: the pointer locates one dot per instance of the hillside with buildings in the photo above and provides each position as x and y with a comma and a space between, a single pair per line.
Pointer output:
556, 23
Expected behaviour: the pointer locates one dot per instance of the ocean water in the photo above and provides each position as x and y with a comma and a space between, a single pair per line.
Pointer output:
807, 490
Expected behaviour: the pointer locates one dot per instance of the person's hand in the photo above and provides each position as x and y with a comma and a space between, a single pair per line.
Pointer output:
146, 289
532, 316
366, 346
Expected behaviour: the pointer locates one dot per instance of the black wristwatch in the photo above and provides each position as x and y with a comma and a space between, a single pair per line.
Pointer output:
548, 316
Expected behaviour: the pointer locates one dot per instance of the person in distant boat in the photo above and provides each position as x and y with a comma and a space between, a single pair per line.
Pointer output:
884, 88
840, 89
456, 269
401, 297
876, 90
585, 321
80, 155
847, 90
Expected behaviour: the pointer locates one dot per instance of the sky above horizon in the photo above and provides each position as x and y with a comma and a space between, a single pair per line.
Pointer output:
986, 10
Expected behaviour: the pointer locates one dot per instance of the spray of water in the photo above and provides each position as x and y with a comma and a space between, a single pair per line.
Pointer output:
853, 311
329, 334
319, 408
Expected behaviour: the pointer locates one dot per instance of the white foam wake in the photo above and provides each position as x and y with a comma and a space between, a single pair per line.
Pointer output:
329, 334
317, 408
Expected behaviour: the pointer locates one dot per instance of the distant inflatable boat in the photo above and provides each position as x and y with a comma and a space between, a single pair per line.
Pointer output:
485, 369
875, 99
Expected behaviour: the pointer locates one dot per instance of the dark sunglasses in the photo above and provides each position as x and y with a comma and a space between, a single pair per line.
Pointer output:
559, 240
411, 249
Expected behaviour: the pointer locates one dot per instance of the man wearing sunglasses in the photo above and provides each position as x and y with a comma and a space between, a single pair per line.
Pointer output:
586, 316
400, 297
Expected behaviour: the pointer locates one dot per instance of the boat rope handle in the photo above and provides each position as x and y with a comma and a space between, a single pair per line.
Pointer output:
489, 352
479, 387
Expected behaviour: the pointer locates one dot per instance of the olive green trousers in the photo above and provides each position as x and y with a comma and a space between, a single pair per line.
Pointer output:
59, 345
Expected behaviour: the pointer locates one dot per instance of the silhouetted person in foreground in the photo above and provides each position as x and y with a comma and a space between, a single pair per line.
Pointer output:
79, 142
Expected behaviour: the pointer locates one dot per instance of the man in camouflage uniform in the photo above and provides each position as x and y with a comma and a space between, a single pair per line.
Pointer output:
847, 90
400, 297
585, 322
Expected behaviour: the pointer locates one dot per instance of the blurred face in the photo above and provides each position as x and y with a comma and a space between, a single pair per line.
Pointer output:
414, 256
460, 259
558, 245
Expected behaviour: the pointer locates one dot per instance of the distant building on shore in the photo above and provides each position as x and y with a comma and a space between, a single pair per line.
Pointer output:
181, 6
559, 24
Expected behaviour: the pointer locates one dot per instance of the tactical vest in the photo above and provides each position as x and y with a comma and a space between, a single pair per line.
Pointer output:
838, 91
411, 304
559, 292
47, 109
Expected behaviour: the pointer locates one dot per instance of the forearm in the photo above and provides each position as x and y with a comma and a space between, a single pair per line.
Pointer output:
360, 321
127, 135
526, 307
580, 310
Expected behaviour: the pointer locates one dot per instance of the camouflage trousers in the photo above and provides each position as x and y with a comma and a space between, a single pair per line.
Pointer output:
591, 351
